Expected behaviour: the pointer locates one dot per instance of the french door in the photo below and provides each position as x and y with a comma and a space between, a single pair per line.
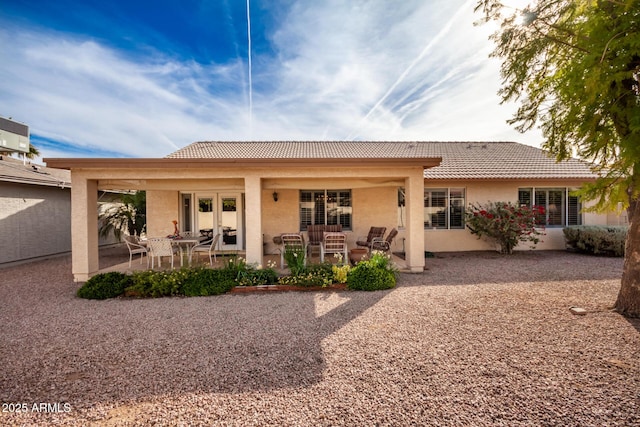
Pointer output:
221, 213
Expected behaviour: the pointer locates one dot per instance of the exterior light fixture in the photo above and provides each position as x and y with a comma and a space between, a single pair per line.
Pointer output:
275, 196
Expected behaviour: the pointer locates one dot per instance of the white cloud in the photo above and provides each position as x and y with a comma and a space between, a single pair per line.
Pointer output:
369, 70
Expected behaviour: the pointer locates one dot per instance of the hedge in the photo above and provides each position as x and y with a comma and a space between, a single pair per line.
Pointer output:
596, 239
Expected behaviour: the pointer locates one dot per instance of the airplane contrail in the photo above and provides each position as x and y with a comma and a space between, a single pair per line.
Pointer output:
404, 74
250, 73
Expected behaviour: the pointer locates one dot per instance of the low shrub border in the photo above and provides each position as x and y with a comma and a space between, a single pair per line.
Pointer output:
369, 274
373, 274
596, 239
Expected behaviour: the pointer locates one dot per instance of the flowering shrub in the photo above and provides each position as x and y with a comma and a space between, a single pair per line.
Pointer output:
313, 275
506, 224
340, 270
251, 274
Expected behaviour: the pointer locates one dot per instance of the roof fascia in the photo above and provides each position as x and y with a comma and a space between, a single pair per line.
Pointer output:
117, 163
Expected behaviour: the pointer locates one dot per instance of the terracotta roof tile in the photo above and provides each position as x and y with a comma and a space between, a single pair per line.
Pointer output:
460, 160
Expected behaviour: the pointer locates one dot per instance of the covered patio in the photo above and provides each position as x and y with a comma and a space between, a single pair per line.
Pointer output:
263, 184
116, 258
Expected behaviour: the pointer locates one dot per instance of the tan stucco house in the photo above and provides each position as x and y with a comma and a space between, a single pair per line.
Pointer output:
253, 191
35, 210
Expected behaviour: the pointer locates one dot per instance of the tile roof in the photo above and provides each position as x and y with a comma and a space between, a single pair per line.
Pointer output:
460, 160
503, 160
14, 170
303, 150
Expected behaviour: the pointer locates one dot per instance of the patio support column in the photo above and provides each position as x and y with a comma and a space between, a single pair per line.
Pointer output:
253, 209
84, 228
414, 244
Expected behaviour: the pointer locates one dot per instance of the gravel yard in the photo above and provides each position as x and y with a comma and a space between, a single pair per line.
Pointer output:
477, 339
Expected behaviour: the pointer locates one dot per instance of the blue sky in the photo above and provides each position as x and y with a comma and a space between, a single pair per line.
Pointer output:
142, 79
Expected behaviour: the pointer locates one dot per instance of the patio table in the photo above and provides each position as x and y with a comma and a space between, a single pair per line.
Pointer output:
186, 243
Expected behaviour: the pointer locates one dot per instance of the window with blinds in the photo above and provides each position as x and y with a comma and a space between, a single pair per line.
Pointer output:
444, 208
325, 207
560, 207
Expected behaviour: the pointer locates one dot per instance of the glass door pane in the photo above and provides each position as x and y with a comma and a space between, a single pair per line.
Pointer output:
229, 222
205, 216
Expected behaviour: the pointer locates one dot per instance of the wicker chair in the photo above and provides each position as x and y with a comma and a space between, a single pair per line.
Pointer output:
379, 244
374, 233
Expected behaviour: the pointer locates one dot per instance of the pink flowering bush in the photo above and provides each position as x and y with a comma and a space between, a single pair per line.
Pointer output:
506, 224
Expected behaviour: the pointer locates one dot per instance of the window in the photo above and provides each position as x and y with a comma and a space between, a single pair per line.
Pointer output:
560, 207
444, 208
325, 207
402, 214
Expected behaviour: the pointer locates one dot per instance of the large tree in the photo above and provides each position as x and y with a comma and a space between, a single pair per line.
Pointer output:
573, 67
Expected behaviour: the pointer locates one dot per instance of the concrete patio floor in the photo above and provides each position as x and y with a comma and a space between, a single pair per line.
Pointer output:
116, 258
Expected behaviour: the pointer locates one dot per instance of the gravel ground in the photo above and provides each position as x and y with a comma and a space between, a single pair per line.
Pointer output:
477, 339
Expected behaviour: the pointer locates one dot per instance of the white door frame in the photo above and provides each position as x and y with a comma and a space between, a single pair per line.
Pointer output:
230, 238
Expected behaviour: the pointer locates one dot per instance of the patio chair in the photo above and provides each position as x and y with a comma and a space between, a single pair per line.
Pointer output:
315, 235
134, 246
374, 232
208, 247
334, 243
159, 248
292, 242
379, 244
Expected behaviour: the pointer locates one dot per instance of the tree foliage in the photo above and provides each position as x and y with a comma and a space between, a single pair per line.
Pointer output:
32, 154
574, 68
127, 213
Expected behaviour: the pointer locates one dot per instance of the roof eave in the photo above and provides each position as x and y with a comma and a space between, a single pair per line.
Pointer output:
173, 163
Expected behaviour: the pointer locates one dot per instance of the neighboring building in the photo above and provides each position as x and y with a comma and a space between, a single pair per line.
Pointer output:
35, 210
253, 191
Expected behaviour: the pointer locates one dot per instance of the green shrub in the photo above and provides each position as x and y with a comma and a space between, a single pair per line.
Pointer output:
257, 277
249, 274
596, 239
206, 281
375, 273
157, 283
104, 285
312, 275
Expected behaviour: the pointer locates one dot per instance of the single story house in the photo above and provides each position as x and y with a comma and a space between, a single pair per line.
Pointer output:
35, 210
252, 191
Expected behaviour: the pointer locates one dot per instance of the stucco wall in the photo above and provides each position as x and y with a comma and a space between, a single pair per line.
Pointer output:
162, 208
370, 207
35, 221
375, 207
482, 192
